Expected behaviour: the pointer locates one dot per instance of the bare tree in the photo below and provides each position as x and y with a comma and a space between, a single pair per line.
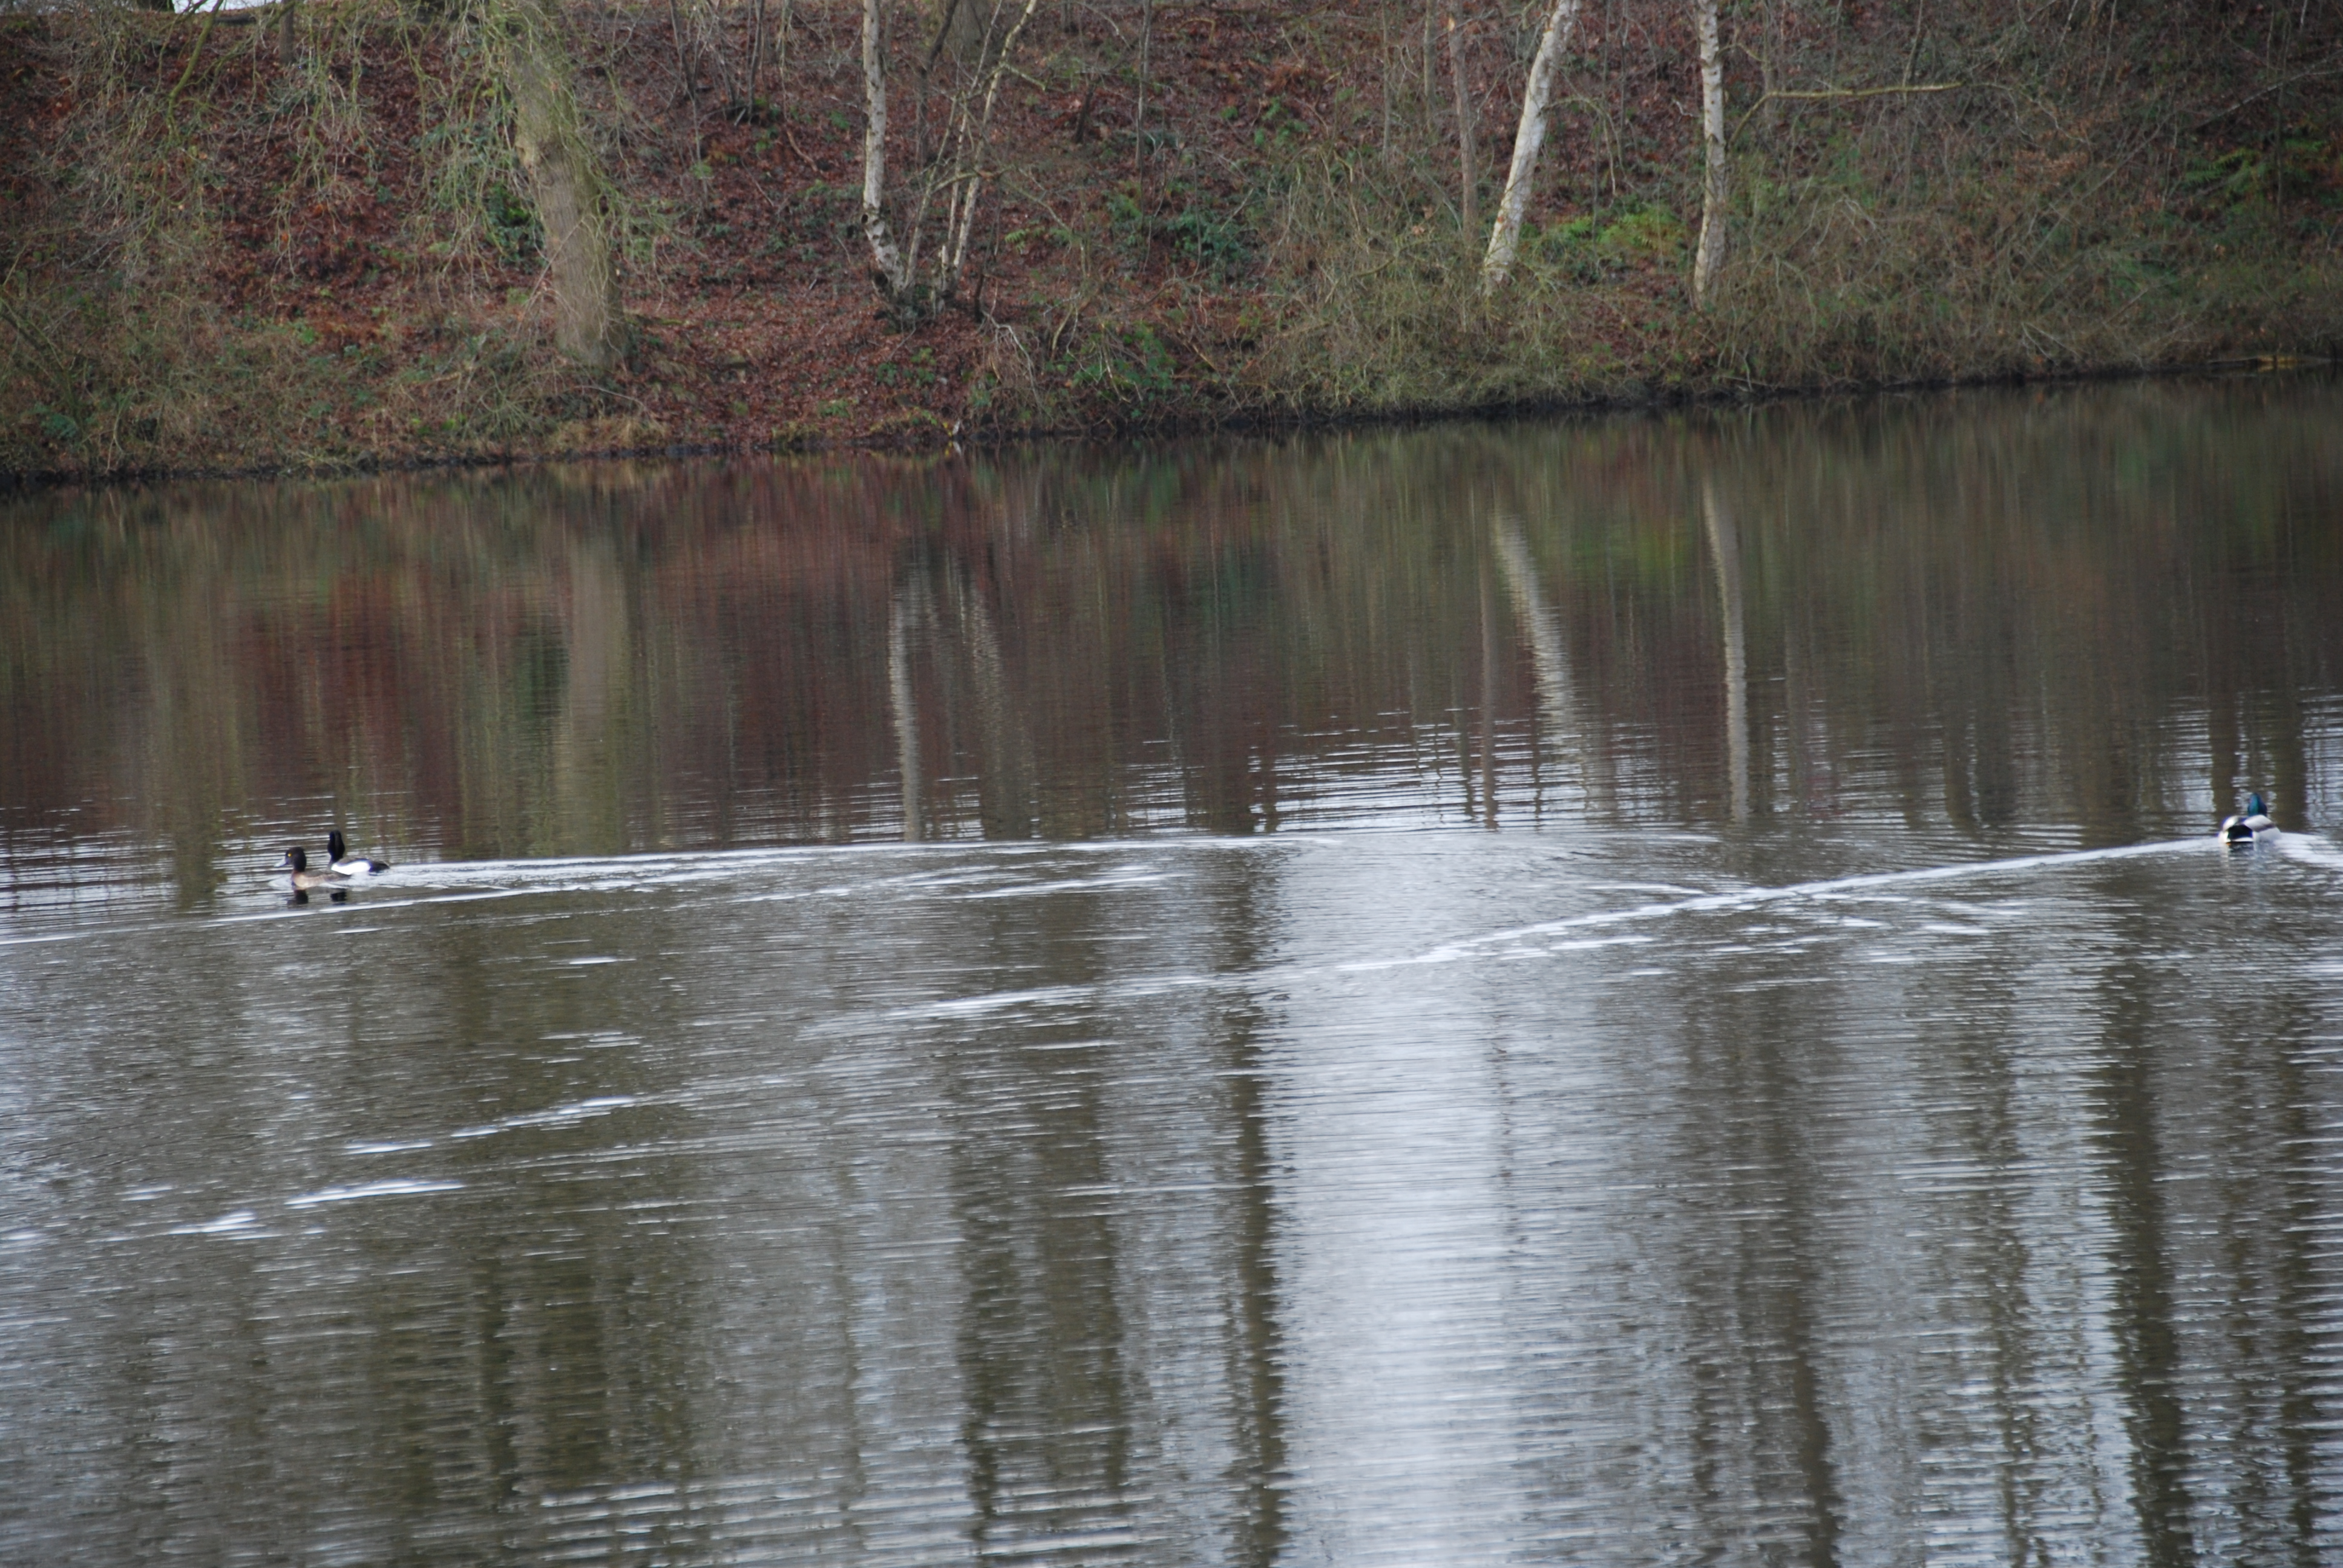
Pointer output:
1710, 256
889, 268
1537, 95
956, 170
961, 173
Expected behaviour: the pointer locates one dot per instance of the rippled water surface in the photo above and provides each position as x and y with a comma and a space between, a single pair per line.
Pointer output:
1628, 992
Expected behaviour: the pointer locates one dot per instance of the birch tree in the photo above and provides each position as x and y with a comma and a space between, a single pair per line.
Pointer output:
1537, 95
961, 171
889, 268
955, 173
1710, 256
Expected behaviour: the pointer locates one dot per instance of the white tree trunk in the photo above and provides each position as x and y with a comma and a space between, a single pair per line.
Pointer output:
1710, 256
892, 274
973, 133
1506, 239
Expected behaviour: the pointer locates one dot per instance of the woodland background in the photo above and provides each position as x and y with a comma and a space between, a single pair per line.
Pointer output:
336, 233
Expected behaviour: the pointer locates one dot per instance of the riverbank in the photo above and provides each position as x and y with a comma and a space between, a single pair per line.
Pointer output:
301, 238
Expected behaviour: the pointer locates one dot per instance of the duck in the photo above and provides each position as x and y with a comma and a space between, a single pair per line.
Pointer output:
344, 864
296, 861
2253, 823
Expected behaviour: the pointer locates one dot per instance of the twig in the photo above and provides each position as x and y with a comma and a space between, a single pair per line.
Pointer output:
1187, 342
52, 361
675, 29
919, 95
1138, 114
171, 104
755, 50
1827, 93
1081, 303
1465, 158
2264, 92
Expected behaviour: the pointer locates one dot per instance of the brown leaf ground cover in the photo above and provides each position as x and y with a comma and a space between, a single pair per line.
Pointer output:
256, 239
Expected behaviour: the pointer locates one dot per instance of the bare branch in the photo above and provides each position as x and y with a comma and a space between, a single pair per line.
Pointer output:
1818, 95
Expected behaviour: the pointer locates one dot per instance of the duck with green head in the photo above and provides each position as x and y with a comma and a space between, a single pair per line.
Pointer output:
2251, 824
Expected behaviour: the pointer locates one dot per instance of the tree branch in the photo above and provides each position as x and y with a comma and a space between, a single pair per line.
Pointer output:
1818, 93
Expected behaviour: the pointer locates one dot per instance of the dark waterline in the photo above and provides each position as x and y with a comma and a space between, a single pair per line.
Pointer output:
1635, 991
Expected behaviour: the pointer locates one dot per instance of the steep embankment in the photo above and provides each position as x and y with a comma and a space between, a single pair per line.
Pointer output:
301, 236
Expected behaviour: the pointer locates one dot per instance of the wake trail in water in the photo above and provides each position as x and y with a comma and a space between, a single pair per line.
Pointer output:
1471, 949
1830, 887
2310, 850
427, 884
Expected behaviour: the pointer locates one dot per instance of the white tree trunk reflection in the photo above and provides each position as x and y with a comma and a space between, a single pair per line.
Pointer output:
1724, 544
1549, 652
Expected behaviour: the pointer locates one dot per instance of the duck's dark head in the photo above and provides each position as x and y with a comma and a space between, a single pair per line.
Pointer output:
296, 859
336, 850
2256, 805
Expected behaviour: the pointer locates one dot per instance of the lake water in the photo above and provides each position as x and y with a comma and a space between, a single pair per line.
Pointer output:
1631, 991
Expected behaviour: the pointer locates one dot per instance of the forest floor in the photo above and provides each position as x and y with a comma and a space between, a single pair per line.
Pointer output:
292, 241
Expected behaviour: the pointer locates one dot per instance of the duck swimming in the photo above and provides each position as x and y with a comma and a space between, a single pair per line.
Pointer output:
344, 864
2252, 824
296, 861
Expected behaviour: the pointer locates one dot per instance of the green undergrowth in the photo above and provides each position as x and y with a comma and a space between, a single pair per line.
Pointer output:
1845, 276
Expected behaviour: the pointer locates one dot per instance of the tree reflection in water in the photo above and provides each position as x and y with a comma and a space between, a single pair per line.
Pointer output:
2092, 606
1784, 1139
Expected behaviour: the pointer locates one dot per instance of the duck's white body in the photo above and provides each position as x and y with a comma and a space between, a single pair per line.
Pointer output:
344, 864
2250, 824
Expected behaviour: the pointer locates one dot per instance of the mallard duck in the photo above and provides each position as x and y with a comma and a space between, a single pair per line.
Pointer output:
2252, 824
338, 856
296, 861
